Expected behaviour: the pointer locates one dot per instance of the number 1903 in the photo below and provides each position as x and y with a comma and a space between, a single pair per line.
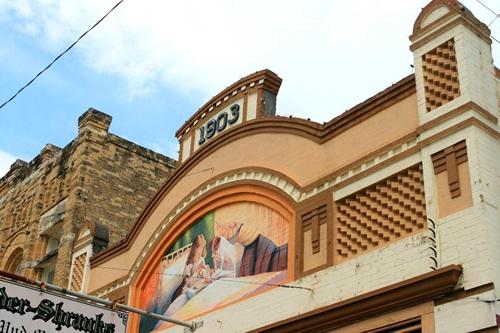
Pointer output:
218, 124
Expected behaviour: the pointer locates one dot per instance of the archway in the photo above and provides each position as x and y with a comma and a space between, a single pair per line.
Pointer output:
13, 264
253, 223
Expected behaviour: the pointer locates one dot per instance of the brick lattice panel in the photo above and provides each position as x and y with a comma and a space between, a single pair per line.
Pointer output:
386, 211
78, 271
440, 75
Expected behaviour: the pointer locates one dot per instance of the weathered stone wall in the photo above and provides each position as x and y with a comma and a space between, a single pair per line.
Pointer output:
118, 177
99, 177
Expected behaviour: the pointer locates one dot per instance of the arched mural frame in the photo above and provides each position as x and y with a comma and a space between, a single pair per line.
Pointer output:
254, 192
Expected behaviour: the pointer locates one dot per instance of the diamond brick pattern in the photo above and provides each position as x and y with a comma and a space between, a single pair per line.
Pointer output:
78, 271
386, 211
440, 75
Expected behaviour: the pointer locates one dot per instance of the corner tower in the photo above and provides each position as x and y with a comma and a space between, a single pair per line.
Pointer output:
453, 60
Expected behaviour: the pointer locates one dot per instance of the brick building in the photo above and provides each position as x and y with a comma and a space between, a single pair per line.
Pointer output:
98, 180
385, 219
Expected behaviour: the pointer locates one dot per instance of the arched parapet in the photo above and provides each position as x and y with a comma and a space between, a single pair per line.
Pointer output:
439, 11
249, 98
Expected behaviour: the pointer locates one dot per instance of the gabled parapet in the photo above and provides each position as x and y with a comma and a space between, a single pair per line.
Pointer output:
251, 97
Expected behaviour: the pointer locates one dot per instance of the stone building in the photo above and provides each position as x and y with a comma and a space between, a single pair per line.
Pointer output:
384, 219
98, 180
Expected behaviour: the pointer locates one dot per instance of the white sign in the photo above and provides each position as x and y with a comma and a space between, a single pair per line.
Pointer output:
26, 309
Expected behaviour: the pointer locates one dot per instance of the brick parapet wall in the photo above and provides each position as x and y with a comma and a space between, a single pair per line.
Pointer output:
117, 177
104, 179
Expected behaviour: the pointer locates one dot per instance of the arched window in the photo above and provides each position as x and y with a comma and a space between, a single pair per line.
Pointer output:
14, 263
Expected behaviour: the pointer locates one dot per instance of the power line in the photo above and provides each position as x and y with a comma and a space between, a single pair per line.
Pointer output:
491, 10
219, 279
60, 55
473, 23
498, 15
488, 8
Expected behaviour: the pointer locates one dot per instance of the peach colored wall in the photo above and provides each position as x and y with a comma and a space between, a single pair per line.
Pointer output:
448, 205
306, 161
313, 260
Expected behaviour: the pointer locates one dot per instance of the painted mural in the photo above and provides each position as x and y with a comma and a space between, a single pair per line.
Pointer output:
229, 254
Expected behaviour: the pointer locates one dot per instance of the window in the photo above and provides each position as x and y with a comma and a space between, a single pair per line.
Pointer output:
48, 275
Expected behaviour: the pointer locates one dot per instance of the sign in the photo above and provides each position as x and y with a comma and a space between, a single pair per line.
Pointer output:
219, 123
26, 309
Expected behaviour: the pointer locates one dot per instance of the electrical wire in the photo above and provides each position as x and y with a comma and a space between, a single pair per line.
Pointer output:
222, 279
481, 31
488, 8
60, 55
491, 10
219, 279
167, 274
494, 20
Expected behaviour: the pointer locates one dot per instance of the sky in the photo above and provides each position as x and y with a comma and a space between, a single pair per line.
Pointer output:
152, 63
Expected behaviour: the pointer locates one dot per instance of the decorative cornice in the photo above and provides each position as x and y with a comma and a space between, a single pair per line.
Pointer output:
417, 290
311, 130
391, 153
295, 192
455, 7
418, 42
264, 78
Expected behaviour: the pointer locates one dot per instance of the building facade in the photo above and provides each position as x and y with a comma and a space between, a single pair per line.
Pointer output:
384, 219
98, 180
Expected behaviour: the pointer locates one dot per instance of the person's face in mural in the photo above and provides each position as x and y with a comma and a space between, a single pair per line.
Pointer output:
228, 230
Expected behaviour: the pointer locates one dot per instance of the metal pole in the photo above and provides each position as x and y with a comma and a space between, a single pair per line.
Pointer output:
192, 326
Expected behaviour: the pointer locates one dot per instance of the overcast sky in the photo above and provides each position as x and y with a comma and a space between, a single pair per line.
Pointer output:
153, 63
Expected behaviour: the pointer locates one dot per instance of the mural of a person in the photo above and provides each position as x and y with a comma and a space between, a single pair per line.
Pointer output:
244, 242
197, 275
260, 254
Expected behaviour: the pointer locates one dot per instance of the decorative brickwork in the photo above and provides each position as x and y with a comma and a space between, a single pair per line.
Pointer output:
440, 75
448, 160
312, 221
387, 211
78, 271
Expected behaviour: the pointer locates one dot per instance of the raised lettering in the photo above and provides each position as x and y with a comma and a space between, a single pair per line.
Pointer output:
235, 112
202, 136
211, 128
221, 121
